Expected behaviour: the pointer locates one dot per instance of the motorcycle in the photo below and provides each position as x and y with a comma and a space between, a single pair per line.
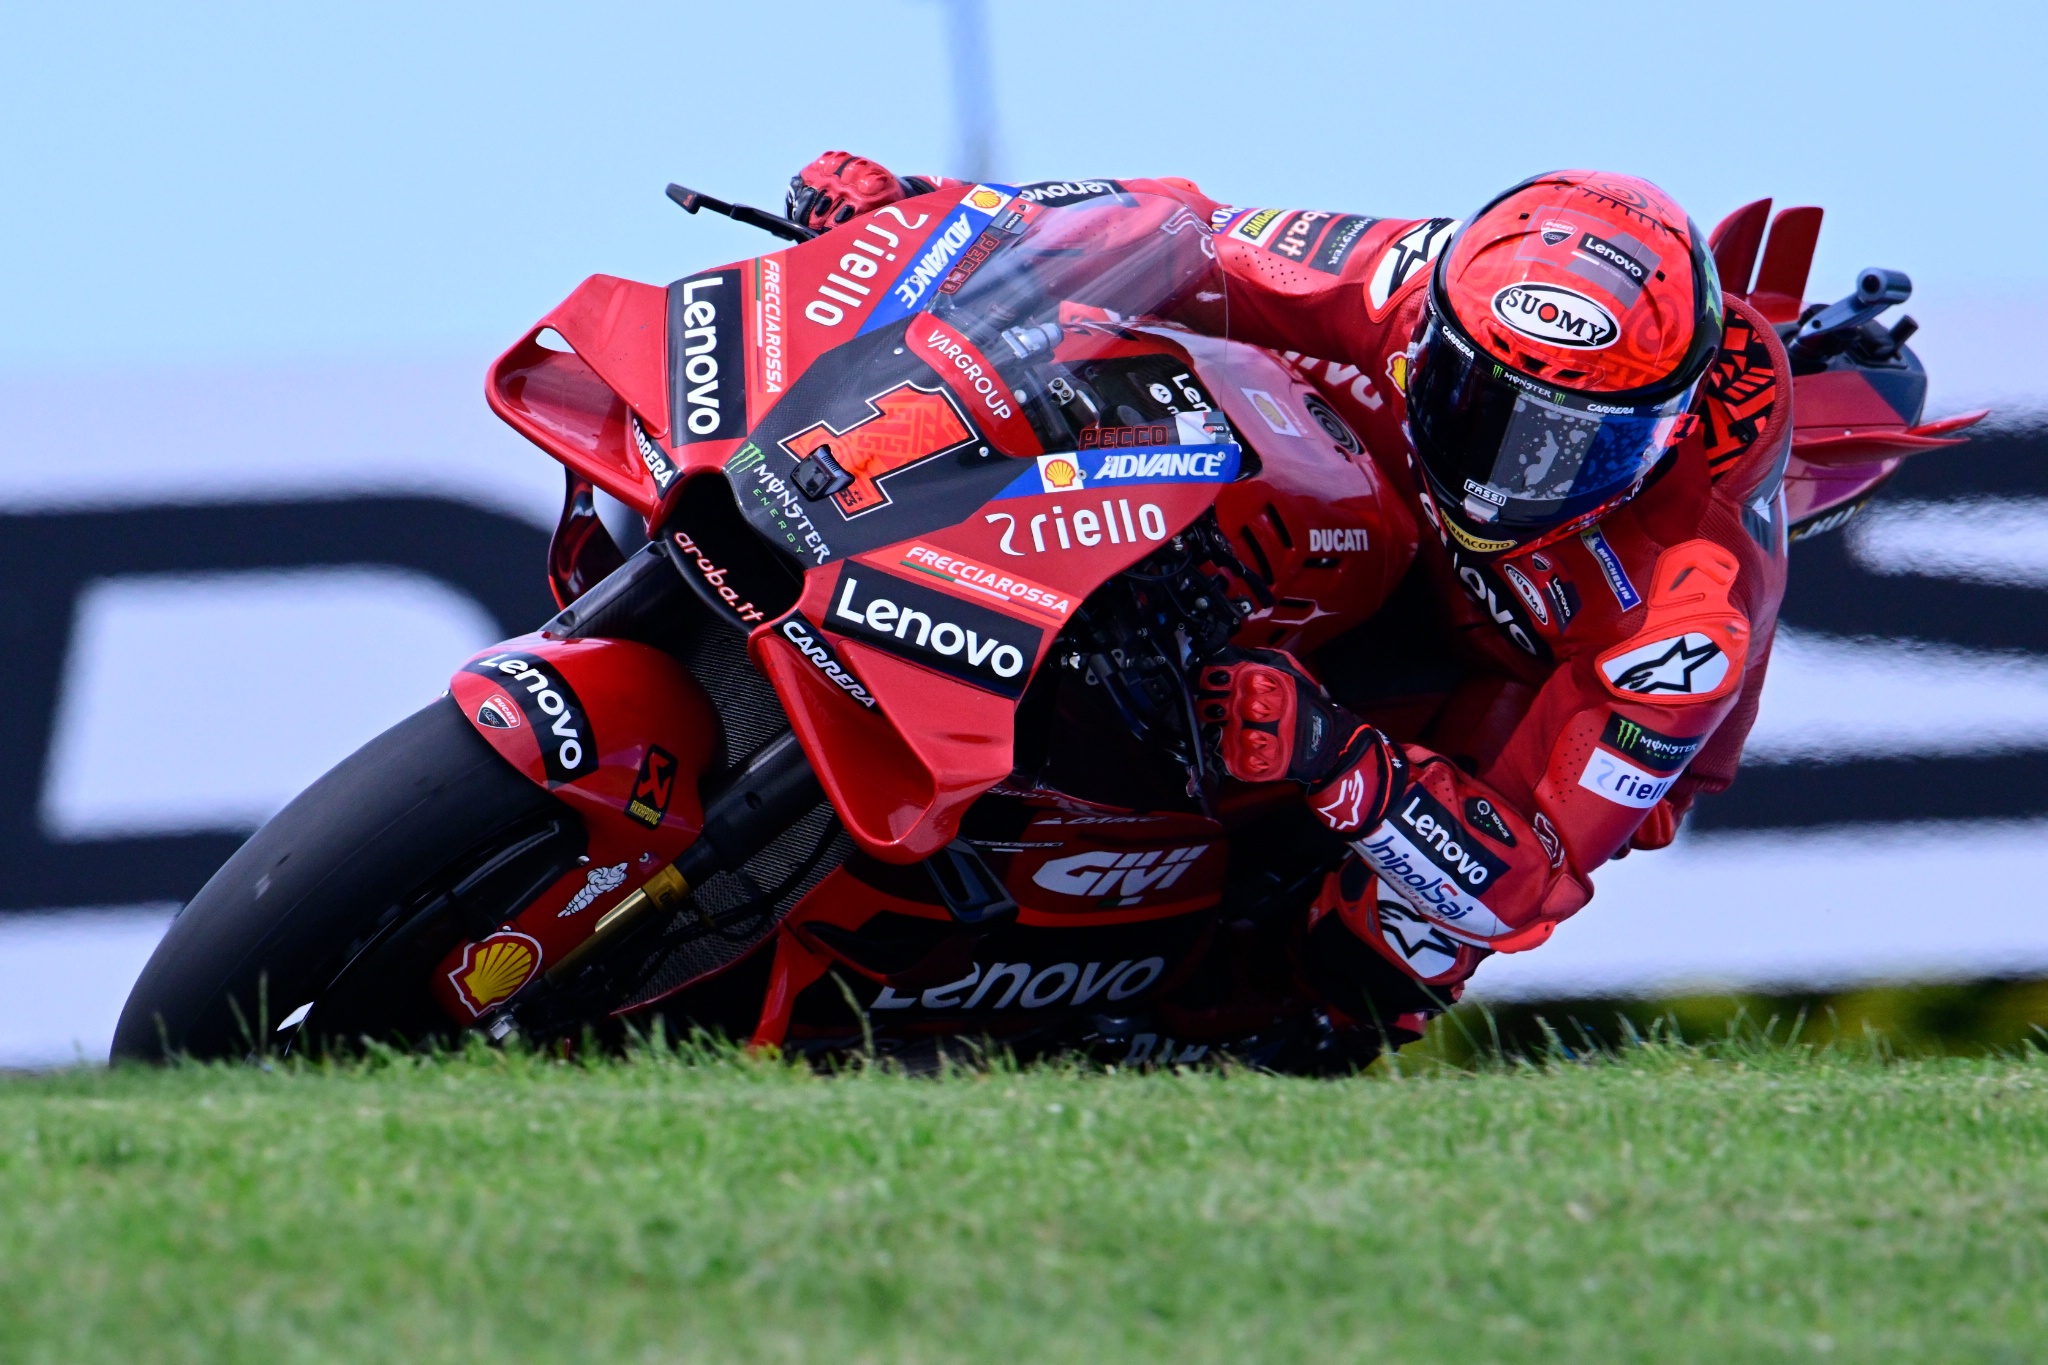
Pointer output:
884, 737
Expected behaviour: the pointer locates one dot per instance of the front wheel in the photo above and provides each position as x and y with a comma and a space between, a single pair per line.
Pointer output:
348, 896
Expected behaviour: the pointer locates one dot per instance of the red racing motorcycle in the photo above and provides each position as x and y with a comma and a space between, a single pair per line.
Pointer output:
885, 734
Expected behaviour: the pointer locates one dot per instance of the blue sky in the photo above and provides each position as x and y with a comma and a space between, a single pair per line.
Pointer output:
264, 183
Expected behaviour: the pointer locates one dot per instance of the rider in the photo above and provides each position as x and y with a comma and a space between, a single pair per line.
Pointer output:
1596, 439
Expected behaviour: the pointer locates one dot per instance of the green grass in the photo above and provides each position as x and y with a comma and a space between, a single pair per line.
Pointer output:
1738, 1203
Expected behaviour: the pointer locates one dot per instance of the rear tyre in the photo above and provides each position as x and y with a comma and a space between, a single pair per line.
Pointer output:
346, 899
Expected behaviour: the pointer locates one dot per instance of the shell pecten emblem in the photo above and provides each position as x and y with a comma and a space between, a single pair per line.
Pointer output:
986, 199
1061, 473
493, 969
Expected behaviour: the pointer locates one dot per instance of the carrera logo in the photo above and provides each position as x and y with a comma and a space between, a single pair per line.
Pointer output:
1659, 753
1120, 878
714, 578
493, 970
978, 646
1002, 984
1684, 665
658, 464
1554, 314
653, 786
807, 638
704, 332
568, 749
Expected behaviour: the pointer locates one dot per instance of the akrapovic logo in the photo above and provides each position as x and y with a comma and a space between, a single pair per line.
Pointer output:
567, 747
707, 390
1554, 314
1125, 877
1000, 985
974, 644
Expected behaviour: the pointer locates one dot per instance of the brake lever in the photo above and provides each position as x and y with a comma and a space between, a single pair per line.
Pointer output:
689, 201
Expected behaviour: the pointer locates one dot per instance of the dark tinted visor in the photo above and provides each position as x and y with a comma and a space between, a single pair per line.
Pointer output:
1508, 451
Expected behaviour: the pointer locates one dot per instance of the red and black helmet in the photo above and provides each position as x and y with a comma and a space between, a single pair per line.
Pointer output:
1567, 329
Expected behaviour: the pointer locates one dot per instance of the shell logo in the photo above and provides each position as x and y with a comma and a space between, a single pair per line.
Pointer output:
1060, 474
985, 199
494, 969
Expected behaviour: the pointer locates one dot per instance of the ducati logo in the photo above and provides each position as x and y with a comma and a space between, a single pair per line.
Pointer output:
498, 713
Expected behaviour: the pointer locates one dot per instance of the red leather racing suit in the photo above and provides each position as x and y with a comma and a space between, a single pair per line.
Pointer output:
1591, 687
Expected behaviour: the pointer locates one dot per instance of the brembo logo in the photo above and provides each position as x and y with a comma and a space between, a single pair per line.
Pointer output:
704, 335
1125, 876
1554, 314
567, 746
974, 644
1002, 984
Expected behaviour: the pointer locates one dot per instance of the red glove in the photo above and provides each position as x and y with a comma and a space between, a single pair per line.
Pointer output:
1273, 722
839, 186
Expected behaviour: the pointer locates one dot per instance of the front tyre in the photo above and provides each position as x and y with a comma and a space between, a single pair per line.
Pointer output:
420, 838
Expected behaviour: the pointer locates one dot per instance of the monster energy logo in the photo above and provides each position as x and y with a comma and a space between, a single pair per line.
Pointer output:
1658, 752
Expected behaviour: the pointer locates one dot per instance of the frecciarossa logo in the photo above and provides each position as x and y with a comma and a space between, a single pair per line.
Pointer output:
568, 748
976, 645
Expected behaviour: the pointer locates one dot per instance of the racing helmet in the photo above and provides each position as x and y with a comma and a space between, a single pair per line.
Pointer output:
1565, 334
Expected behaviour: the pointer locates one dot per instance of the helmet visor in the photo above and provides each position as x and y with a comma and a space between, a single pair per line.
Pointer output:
1510, 452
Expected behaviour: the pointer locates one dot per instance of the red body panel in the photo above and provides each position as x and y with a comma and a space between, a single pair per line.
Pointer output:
646, 733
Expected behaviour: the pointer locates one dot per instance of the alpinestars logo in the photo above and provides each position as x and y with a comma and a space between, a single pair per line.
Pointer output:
1684, 665
568, 748
971, 643
1122, 878
1404, 259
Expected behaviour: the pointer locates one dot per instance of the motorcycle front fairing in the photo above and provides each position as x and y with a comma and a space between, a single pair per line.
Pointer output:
959, 434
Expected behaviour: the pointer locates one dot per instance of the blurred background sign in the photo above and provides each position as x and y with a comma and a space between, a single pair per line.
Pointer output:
253, 508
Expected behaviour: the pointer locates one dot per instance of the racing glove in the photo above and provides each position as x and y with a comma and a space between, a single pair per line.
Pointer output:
1271, 722
840, 186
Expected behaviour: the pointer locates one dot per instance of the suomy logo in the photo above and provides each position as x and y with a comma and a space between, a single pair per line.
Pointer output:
1554, 314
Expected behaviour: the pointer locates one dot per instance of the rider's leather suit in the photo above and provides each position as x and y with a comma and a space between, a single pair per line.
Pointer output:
1546, 709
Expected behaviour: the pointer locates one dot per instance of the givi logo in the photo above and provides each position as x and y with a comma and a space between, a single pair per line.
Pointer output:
1125, 876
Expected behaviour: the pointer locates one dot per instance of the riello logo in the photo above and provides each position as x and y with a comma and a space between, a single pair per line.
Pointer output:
1554, 314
